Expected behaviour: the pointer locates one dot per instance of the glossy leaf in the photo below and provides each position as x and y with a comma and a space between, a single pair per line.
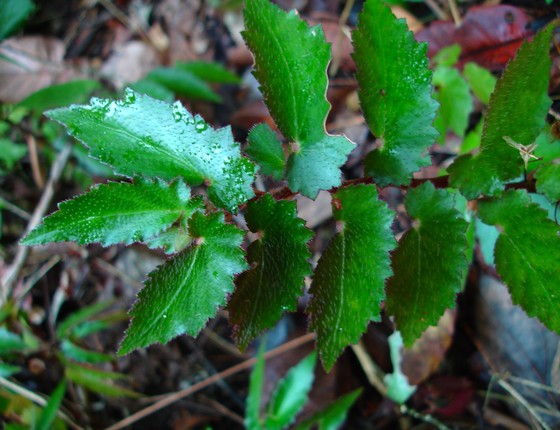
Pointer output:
291, 60
279, 264
527, 253
334, 415
395, 94
290, 395
13, 14
548, 181
209, 72
183, 293
265, 149
48, 415
253, 404
116, 212
517, 110
429, 262
143, 136
349, 281
184, 83
60, 95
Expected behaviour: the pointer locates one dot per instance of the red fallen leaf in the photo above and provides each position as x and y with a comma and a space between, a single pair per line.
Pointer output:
446, 395
489, 35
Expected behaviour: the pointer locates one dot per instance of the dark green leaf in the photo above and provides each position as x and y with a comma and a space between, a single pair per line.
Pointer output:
184, 83
153, 89
279, 264
527, 254
517, 110
481, 81
290, 395
395, 94
265, 149
349, 281
209, 72
13, 14
455, 102
334, 415
53, 405
60, 95
116, 212
291, 60
182, 294
429, 262
143, 136
548, 181
254, 398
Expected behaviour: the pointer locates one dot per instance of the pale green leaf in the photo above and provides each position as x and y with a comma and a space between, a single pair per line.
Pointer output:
349, 281
184, 83
265, 149
291, 60
10, 153
395, 94
527, 253
253, 404
7, 370
209, 72
153, 89
290, 395
517, 110
76, 353
13, 14
97, 380
548, 181
448, 56
332, 417
183, 293
398, 388
143, 136
10, 342
279, 264
481, 81
116, 212
429, 263
60, 95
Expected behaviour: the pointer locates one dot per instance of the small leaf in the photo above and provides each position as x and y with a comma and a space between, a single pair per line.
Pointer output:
153, 89
10, 342
172, 240
349, 281
334, 415
398, 388
518, 109
10, 153
290, 395
184, 83
7, 370
548, 181
209, 72
96, 380
116, 212
279, 261
143, 136
13, 14
481, 81
75, 319
429, 263
254, 398
395, 94
527, 253
48, 415
291, 61
265, 149
183, 293
76, 353
60, 95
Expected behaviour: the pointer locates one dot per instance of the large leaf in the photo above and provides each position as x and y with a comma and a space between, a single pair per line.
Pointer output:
265, 149
429, 263
527, 253
182, 294
291, 60
395, 94
278, 263
349, 280
116, 212
143, 136
517, 110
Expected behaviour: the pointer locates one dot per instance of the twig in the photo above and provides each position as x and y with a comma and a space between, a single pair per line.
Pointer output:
373, 373
174, 397
455, 13
333, 69
46, 197
34, 159
16, 210
437, 10
523, 402
35, 398
427, 418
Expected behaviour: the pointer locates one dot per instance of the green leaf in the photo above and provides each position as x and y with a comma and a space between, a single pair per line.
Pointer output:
48, 415
332, 417
548, 181
13, 14
153, 89
448, 56
472, 139
455, 102
96, 380
77, 353
481, 81
527, 253
75, 319
517, 110
7, 370
265, 149
254, 398
349, 281
279, 264
172, 240
291, 60
116, 212
10, 153
184, 83
290, 395
182, 294
398, 388
209, 72
143, 136
429, 262
395, 94
60, 95
10, 342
